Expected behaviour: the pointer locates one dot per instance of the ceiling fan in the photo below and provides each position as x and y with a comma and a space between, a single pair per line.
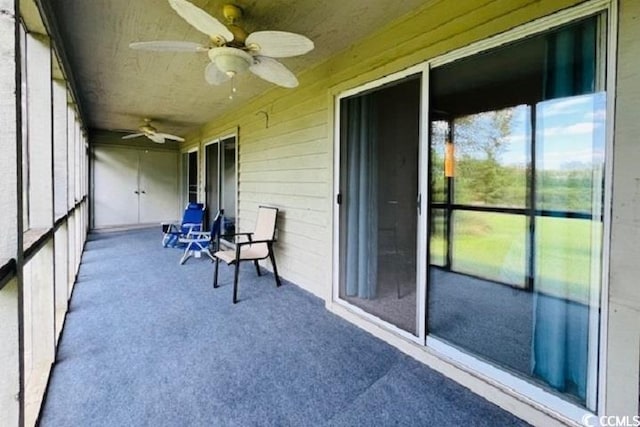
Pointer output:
231, 50
152, 133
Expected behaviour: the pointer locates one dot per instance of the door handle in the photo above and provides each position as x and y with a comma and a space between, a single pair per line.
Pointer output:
143, 192
136, 192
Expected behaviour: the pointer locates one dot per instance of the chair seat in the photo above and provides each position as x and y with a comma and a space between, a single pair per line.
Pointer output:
247, 253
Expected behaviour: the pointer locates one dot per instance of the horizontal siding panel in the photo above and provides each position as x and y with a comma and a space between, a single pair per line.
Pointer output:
292, 260
300, 121
299, 162
310, 270
290, 109
301, 190
280, 201
310, 175
301, 246
306, 229
307, 216
294, 149
292, 213
290, 135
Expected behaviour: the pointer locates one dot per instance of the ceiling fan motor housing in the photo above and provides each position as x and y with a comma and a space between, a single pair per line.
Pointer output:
147, 128
230, 60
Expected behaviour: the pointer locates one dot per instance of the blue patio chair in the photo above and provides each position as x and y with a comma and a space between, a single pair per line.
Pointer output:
201, 242
192, 220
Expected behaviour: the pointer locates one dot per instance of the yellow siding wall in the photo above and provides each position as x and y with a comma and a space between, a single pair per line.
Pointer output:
289, 164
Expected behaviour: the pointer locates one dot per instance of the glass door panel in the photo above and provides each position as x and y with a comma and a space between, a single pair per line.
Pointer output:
212, 180
570, 143
379, 185
229, 185
222, 182
192, 176
516, 207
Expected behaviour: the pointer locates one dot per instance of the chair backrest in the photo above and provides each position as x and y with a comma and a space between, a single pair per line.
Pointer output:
193, 213
216, 224
265, 223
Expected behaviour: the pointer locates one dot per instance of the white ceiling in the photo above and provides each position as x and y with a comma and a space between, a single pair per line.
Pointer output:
118, 86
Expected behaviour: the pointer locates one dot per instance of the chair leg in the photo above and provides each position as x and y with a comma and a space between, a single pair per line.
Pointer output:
235, 283
272, 257
257, 267
185, 256
215, 274
207, 253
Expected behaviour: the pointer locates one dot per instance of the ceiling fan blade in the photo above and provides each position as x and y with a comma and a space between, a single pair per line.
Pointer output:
169, 46
133, 135
156, 137
273, 71
213, 75
278, 44
171, 137
201, 20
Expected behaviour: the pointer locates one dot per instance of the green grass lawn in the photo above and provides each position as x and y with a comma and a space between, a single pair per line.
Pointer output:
493, 245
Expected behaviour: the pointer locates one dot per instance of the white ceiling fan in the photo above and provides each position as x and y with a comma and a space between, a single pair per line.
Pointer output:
232, 50
152, 133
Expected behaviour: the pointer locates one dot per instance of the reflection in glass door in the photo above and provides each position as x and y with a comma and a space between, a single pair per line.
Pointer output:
212, 179
221, 181
379, 146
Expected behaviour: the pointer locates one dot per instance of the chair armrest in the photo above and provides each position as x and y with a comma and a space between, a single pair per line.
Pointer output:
198, 235
190, 227
252, 242
225, 236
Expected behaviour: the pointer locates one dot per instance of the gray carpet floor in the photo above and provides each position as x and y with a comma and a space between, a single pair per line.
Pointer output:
491, 320
149, 342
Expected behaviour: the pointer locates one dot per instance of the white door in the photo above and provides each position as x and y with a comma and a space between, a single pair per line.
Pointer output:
115, 186
158, 186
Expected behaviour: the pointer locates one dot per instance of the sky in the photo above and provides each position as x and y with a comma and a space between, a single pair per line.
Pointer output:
569, 131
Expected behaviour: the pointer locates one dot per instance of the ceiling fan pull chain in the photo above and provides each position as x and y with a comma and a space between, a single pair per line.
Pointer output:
233, 86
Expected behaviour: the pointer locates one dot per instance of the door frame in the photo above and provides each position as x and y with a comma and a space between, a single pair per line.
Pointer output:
421, 249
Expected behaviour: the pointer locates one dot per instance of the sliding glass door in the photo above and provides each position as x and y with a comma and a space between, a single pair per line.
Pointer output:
221, 181
516, 206
494, 230
379, 191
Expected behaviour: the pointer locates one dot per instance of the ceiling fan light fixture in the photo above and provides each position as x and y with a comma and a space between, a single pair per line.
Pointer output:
230, 61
